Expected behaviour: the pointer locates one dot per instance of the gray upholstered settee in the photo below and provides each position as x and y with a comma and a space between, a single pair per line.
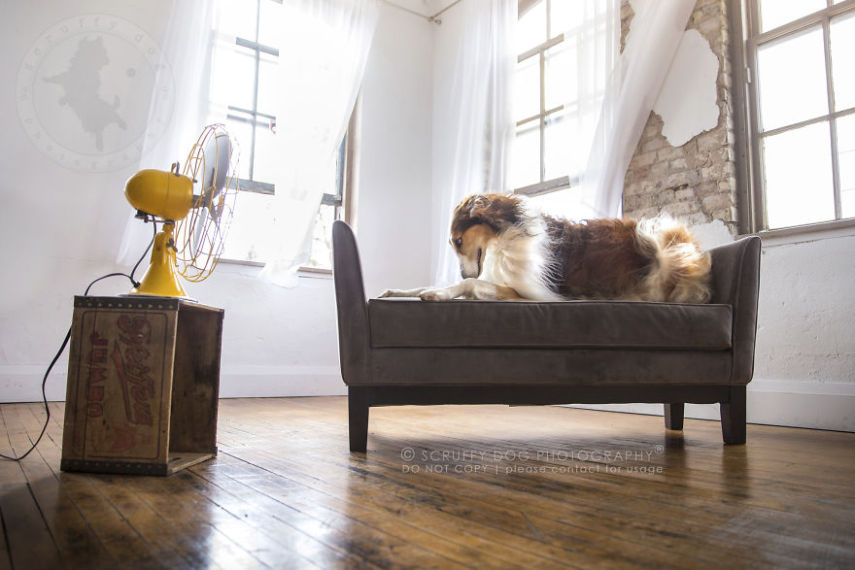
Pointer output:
407, 351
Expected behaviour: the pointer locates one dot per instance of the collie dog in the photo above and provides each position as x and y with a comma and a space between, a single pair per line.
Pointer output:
508, 251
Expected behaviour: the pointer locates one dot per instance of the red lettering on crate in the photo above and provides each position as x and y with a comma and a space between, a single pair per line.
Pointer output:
134, 330
97, 375
97, 340
98, 356
130, 356
95, 394
94, 410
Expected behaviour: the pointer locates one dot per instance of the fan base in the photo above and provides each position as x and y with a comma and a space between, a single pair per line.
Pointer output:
161, 277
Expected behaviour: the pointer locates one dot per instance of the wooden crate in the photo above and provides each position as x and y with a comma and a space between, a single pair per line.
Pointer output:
143, 384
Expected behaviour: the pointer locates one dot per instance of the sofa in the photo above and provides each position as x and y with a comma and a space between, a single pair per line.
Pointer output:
396, 351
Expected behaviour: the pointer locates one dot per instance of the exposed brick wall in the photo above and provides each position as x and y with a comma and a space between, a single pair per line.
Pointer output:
694, 182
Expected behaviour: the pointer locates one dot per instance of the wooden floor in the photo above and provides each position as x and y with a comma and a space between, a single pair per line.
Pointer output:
441, 487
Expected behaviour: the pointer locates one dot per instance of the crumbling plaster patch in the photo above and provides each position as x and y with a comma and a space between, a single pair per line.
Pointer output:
687, 102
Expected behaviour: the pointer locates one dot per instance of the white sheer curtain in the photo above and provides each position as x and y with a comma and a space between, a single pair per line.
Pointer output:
179, 103
322, 57
580, 68
655, 33
480, 114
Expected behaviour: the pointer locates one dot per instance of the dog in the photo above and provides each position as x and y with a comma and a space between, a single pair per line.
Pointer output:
509, 251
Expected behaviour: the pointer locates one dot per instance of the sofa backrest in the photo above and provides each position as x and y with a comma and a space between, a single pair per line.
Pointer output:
350, 300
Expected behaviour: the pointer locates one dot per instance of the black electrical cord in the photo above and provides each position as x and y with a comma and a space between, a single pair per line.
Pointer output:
68, 337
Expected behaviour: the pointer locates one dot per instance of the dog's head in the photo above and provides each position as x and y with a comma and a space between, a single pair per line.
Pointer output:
477, 221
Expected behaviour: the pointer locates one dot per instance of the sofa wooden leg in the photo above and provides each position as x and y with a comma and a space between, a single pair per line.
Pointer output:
733, 417
674, 416
357, 419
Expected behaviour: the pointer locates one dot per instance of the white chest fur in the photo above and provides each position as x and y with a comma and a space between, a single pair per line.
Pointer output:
519, 259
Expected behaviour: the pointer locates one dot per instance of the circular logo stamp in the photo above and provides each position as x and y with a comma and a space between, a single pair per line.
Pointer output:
84, 90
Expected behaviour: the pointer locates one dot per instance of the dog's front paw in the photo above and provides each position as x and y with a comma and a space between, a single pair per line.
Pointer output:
436, 295
401, 292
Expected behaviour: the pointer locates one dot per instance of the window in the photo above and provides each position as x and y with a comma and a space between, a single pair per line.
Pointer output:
560, 80
802, 111
243, 78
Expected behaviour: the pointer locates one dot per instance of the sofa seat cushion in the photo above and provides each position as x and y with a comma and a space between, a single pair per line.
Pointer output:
412, 323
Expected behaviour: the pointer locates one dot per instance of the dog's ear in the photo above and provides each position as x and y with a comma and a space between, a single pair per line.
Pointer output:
478, 205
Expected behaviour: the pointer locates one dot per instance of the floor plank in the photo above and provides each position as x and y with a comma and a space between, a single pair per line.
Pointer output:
69, 528
23, 518
440, 487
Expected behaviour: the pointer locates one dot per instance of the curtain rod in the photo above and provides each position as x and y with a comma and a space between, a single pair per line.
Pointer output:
435, 19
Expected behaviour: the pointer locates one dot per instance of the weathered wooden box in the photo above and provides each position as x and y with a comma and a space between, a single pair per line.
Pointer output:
143, 384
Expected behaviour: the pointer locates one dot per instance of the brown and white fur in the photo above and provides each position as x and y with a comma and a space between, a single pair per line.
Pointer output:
508, 251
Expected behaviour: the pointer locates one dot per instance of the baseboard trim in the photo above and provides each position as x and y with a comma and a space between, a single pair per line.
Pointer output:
250, 381
791, 403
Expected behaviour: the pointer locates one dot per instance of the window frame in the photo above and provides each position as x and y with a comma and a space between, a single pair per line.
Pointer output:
341, 201
745, 15
562, 182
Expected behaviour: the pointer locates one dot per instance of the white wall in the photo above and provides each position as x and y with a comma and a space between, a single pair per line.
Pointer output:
61, 226
393, 222
444, 130
805, 364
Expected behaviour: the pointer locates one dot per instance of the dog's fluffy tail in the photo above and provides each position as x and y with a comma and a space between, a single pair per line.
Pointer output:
681, 272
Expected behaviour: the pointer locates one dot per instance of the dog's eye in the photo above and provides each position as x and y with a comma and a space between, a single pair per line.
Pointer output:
458, 243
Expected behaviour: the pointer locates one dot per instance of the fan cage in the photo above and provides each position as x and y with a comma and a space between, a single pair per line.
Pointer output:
201, 236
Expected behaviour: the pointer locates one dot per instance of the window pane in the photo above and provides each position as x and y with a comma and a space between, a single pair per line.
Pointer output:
269, 23
774, 13
265, 155
561, 74
237, 18
321, 254
797, 169
559, 156
792, 79
843, 61
566, 16
251, 227
267, 84
233, 76
531, 28
846, 162
527, 89
565, 203
526, 163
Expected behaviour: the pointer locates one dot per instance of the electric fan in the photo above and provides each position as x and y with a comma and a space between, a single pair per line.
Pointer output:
195, 206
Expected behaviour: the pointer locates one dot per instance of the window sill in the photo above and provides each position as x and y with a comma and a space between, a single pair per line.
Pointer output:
306, 272
808, 232
314, 272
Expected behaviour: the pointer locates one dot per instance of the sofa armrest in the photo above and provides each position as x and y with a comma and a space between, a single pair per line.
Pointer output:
736, 282
352, 308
